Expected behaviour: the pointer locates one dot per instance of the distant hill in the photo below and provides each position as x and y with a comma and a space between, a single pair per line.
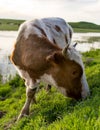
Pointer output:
10, 24
84, 25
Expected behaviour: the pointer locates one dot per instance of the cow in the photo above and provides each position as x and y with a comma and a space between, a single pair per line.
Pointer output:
43, 52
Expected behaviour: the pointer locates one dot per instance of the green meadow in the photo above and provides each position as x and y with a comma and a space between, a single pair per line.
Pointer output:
53, 111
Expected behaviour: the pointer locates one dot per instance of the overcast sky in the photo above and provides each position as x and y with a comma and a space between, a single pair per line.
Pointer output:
71, 10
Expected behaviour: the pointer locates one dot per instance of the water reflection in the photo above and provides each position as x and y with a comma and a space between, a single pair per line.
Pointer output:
7, 39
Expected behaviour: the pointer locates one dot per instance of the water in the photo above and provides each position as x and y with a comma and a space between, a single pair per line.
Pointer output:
7, 40
84, 44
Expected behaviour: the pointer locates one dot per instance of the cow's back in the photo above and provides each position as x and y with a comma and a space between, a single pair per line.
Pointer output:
54, 29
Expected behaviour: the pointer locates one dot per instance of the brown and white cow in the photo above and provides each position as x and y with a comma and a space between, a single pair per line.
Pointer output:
43, 52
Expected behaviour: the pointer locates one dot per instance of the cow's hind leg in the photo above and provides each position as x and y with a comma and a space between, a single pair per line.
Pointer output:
48, 88
30, 93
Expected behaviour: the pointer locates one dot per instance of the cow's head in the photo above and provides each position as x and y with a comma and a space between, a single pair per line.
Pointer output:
69, 72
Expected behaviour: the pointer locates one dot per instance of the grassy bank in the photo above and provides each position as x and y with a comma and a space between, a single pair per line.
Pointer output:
53, 111
81, 30
13, 25
9, 24
85, 27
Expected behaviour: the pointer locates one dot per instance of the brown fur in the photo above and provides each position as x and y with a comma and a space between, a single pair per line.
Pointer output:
58, 29
39, 56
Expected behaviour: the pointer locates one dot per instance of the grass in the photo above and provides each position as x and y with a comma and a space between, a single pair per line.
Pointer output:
81, 30
53, 111
9, 24
93, 39
85, 26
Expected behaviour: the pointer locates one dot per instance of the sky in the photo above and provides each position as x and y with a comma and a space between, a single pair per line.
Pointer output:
70, 10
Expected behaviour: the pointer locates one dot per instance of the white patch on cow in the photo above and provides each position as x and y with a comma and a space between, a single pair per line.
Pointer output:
48, 79
28, 80
30, 29
74, 55
48, 26
85, 89
63, 91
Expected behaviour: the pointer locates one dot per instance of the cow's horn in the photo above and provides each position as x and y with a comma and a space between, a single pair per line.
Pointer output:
65, 50
75, 44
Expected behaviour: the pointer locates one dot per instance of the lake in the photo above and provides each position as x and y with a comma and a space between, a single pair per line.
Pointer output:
86, 41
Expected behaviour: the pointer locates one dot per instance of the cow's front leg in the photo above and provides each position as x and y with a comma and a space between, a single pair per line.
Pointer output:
30, 93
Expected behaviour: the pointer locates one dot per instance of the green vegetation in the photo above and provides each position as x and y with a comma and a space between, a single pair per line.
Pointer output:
93, 39
85, 27
81, 30
9, 24
53, 111
88, 39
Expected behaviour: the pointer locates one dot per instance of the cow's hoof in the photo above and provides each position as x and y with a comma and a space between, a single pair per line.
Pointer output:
21, 116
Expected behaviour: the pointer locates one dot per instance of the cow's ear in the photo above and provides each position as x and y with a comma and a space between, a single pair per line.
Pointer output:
56, 57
